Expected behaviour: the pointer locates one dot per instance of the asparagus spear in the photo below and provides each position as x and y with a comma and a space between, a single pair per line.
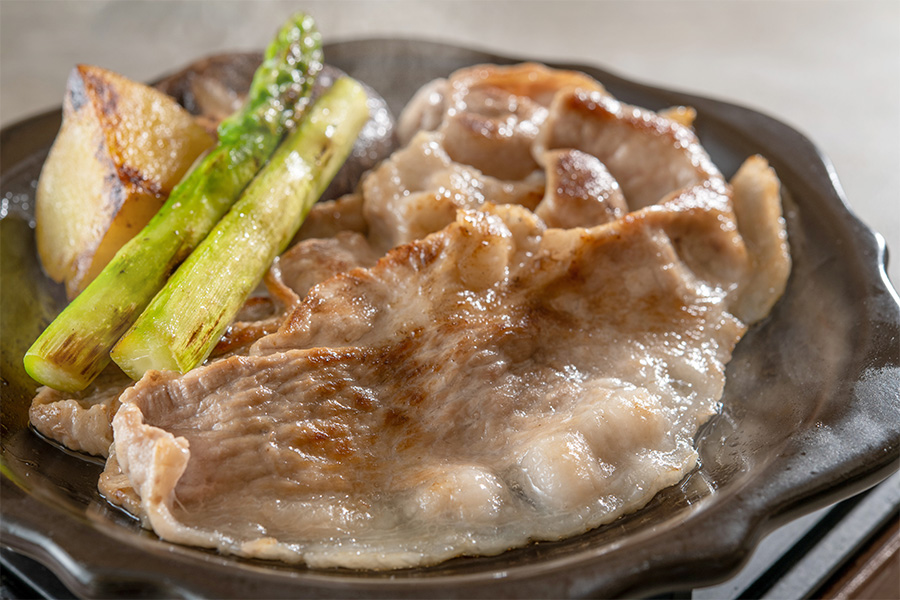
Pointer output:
185, 320
75, 347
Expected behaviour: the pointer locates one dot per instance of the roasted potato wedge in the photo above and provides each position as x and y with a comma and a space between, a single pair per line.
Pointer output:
121, 149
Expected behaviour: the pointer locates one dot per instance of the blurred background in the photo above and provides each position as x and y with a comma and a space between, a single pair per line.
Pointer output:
829, 68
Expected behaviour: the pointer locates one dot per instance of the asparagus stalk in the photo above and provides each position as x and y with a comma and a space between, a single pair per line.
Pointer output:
75, 347
185, 320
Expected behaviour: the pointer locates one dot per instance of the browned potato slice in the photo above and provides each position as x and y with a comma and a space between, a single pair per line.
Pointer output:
121, 149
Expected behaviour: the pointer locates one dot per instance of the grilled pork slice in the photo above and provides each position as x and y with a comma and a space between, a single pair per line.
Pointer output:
420, 188
490, 115
80, 421
757, 206
493, 383
650, 156
580, 192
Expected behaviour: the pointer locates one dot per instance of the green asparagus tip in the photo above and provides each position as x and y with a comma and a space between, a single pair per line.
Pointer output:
277, 95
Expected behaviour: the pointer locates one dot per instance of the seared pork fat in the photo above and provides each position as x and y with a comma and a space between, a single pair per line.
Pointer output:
511, 331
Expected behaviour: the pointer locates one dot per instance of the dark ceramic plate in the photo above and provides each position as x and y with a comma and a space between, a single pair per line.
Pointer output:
811, 410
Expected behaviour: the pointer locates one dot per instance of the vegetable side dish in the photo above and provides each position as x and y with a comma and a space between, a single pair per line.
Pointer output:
510, 331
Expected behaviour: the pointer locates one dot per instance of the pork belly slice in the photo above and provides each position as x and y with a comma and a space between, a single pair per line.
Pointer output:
315, 260
534, 82
501, 119
757, 207
494, 383
424, 111
419, 189
683, 115
490, 115
580, 192
649, 155
330, 217
80, 421
494, 133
